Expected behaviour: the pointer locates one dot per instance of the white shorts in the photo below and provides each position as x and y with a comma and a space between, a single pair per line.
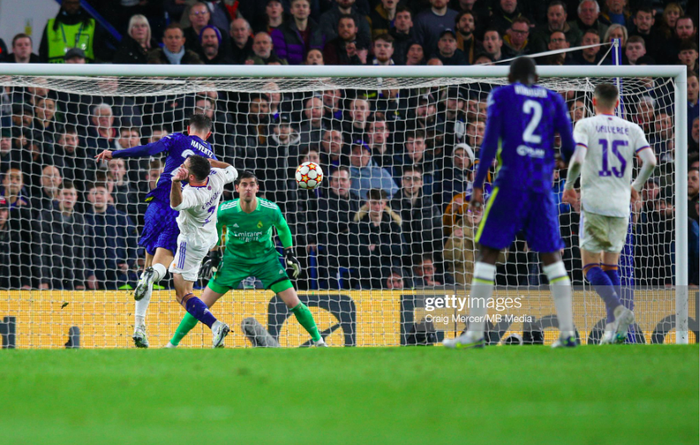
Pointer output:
600, 233
189, 256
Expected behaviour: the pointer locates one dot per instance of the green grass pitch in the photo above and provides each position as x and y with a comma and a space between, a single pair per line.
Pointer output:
430, 395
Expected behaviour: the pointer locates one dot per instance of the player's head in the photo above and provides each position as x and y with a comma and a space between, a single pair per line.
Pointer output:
605, 98
200, 125
523, 70
247, 186
198, 166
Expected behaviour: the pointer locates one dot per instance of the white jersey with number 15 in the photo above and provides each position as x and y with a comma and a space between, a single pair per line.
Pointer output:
611, 144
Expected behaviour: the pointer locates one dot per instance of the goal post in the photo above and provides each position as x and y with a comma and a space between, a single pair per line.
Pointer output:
154, 81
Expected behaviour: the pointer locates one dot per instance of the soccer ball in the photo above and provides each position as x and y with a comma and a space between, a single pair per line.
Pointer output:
309, 175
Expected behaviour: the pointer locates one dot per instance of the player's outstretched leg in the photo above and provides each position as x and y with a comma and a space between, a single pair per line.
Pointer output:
481, 291
201, 312
560, 286
209, 297
286, 292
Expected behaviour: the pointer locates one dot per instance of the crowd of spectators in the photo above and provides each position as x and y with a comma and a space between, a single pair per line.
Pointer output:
399, 163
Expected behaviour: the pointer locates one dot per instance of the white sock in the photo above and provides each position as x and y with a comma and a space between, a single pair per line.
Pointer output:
160, 272
482, 288
141, 309
560, 286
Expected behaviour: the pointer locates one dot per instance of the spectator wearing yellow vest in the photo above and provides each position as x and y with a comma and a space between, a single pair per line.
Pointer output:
72, 28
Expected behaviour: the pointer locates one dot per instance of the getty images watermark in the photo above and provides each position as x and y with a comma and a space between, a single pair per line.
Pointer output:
460, 304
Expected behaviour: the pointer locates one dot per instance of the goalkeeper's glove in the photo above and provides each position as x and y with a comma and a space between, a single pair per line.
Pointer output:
211, 265
292, 261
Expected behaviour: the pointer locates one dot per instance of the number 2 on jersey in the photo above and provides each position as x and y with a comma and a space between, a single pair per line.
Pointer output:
534, 108
211, 211
606, 171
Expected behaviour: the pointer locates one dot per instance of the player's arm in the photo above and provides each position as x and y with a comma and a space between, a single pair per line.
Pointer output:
576, 162
135, 152
218, 164
286, 238
230, 173
562, 122
646, 155
489, 147
177, 200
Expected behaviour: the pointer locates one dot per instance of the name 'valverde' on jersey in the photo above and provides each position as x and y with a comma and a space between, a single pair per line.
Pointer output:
521, 124
178, 147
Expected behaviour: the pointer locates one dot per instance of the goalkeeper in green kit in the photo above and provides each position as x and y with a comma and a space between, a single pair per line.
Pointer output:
250, 251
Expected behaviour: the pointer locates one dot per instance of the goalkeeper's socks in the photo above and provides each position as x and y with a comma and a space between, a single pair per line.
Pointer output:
560, 286
306, 320
482, 288
200, 311
159, 272
186, 325
602, 284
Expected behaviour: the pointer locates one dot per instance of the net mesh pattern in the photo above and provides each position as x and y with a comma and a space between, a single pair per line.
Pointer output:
366, 287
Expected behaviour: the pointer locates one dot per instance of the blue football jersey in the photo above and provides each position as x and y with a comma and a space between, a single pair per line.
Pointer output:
178, 147
520, 127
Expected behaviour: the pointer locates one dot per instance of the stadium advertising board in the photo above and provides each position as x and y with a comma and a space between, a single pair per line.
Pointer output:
55, 319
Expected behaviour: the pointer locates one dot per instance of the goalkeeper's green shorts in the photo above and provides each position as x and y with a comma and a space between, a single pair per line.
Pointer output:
230, 275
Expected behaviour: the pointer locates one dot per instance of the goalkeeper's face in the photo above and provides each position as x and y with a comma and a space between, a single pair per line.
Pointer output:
247, 189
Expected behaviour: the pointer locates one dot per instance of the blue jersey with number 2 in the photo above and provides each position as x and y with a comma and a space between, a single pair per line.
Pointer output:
520, 127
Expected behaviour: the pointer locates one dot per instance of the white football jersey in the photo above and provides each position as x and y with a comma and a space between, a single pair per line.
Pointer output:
606, 175
197, 217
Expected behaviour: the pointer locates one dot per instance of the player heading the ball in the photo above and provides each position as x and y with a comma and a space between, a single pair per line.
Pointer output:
197, 202
250, 251
522, 119
160, 230
604, 157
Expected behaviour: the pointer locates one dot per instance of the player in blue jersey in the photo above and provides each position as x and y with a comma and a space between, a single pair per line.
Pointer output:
522, 119
160, 230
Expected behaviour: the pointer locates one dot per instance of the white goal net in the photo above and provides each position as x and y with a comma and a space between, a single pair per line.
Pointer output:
408, 145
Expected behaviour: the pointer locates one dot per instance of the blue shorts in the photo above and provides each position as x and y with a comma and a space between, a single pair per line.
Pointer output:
510, 211
159, 228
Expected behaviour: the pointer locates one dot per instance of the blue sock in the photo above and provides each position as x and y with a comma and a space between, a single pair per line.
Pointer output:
625, 294
604, 287
200, 311
614, 275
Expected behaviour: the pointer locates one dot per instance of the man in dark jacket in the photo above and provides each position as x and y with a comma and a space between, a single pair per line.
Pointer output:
114, 241
377, 242
65, 255
421, 218
252, 132
242, 46
296, 37
336, 211
22, 50
14, 261
401, 32
344, 49
330, 19
174, 51
210, 40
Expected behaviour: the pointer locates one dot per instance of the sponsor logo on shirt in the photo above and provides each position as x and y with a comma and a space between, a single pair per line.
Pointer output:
524, 150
